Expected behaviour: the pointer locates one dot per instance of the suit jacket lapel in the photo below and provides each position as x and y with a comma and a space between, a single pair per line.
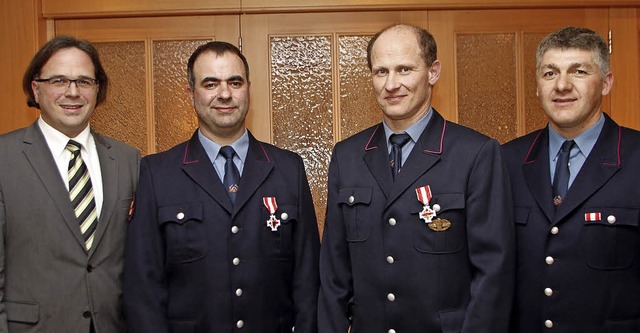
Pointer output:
257, 167
198, 167
536, 173
39, 156
376, 158
601, 164
109, 170
424, 155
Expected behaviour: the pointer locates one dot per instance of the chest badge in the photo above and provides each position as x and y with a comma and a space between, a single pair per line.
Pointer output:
272, 206
439, 224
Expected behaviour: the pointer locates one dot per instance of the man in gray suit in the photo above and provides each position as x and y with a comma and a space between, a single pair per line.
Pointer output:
65, 195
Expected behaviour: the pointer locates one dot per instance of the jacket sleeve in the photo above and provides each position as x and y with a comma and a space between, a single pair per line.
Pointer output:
336, 288
144, 284
490, 233
307, 247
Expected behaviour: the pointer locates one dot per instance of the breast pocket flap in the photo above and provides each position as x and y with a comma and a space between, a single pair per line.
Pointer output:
354, 195
180, 213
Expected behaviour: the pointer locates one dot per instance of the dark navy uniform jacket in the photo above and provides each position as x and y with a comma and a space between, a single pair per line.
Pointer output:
194, 263
384, 270
578, 268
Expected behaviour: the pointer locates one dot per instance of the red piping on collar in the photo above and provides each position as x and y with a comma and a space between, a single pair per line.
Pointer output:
186, 152
444, 127
265, 152
618, 152
366, 147
526, 158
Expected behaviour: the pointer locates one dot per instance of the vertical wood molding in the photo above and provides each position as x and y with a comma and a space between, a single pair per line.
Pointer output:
625, 65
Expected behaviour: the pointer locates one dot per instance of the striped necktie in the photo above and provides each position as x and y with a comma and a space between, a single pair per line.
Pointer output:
81, 194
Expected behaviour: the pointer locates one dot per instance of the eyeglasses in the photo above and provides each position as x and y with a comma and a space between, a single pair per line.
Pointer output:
65, 83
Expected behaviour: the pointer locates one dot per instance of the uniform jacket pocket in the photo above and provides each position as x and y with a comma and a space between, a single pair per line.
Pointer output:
610, 237
355, 205
450, 208
452, 321
184, 232
280, 231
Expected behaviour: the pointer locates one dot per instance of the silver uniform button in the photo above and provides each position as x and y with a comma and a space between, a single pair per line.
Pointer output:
351, 199
236, 261
548, 323
436, 208
391, 331
239, 324
180, 216
549, 260
284, 216
239, 292
390, 259
554, 230
548, 291
392, 221
391, 297
611, 219
293, 329
235, 229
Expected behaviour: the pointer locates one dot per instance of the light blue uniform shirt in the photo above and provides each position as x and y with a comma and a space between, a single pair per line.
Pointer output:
578, 155
414, 132
241, 146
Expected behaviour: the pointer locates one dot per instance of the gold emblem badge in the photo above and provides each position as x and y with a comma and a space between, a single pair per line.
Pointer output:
439, 224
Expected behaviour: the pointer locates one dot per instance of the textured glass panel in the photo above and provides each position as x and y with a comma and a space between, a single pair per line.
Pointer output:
175, 117
534, 116
358, 107
301, 88
124, 113
486, 79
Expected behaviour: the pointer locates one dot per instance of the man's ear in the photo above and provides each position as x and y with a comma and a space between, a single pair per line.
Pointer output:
434, 72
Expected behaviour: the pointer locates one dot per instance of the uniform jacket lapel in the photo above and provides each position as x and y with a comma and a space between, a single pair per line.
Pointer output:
424, 155
39, 156
601, 164
257, 167
376, 158
536, 173
198, 167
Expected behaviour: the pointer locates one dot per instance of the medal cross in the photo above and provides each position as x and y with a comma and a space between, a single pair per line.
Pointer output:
427, 214
273, 223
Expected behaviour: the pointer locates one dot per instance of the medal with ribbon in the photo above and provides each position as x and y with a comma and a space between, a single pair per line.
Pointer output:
424, 196
272, 206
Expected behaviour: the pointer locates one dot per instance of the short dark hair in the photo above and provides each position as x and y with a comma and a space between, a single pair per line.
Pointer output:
576, 38
425, 40
219, 48
48, 50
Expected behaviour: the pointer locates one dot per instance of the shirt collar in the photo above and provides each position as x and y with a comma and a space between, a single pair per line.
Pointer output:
57, 140
585, 141
415, 130
241, 146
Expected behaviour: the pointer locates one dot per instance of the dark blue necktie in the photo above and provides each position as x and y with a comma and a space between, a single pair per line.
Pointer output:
231, 174
395, 157
561, 177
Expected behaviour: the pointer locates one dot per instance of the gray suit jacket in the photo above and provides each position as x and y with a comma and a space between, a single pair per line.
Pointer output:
48, 281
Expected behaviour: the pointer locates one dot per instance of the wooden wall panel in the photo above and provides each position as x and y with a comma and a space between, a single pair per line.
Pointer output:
20, 33
448, 26
625, 65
